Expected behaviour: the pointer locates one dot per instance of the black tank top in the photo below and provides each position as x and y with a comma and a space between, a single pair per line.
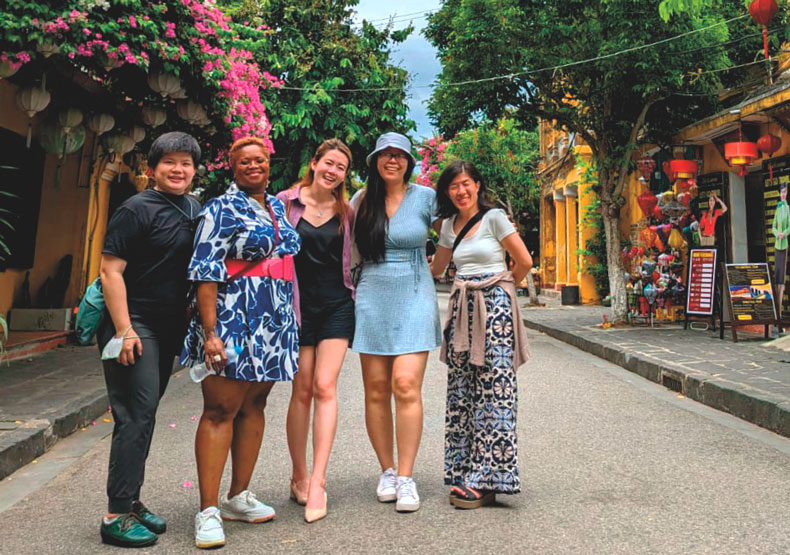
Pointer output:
319, 263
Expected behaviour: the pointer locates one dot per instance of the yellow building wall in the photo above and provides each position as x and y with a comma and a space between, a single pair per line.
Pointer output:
63, 211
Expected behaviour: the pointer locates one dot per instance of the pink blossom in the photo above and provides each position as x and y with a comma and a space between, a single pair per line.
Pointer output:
132, 21
170, 30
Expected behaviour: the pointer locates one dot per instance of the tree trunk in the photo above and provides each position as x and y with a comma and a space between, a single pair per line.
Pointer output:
617, 285
533, 293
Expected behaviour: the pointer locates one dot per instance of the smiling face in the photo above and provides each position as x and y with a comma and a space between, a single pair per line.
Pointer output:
330, 170
174, 172
463, 192
251, 168
711, 202
392, 164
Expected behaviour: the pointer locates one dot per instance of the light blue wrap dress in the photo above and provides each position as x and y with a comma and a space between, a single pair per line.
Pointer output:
396, 308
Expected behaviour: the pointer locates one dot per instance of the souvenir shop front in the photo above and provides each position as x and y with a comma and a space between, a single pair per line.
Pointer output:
717, 201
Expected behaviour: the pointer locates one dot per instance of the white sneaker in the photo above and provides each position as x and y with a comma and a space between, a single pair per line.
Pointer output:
245, 507
208, 529
388, 486
408, 500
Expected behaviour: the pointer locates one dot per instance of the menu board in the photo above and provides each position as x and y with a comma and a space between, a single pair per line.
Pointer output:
701, 281
781, 172
750, 293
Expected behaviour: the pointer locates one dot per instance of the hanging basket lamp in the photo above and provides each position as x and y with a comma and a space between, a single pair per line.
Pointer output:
31, 101
741, 154
153, 117
100, 123
165, 84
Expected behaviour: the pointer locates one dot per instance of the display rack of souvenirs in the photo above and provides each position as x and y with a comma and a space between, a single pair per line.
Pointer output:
655, 263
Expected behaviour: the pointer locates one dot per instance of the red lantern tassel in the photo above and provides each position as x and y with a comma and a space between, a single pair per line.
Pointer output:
765, 41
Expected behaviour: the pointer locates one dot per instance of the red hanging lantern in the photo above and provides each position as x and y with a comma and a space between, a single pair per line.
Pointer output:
683, 170
741, 154
769, 144
647, 201
763, 11
657, 214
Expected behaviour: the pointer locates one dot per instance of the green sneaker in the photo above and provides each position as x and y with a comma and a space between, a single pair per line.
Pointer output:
154, 523
126, 531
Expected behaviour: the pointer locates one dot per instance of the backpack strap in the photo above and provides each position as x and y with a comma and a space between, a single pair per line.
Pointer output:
469, 225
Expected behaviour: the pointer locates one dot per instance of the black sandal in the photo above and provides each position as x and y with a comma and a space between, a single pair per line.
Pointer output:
465, 497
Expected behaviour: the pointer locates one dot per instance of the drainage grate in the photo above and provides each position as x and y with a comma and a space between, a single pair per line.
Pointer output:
671, 383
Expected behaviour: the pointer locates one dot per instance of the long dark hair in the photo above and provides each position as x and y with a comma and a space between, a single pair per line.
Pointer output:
370, 229
446, 207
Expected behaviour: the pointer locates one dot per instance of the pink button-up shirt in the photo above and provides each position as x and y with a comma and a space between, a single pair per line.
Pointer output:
295, 213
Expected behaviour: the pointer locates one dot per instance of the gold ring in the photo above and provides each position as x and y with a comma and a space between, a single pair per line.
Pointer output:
217, 358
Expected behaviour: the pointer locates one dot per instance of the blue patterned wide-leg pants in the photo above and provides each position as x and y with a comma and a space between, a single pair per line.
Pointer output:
482, 404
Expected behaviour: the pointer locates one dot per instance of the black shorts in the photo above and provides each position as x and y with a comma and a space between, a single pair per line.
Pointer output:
326, 321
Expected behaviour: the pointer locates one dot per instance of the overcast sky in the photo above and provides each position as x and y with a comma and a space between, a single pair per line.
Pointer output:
416, 55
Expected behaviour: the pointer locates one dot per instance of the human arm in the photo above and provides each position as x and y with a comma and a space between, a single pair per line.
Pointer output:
721, 204
114, 289
440, 260
207, 308
520, 255
511, 241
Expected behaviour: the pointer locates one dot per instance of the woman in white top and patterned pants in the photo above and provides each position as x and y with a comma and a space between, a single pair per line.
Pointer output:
484, 340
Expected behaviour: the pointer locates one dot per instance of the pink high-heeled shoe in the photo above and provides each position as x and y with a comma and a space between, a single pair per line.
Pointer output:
296, 495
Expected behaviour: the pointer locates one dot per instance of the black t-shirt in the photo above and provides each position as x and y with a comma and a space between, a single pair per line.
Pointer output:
155, 239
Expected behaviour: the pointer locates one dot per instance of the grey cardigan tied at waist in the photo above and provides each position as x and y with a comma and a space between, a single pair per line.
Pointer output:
462, 339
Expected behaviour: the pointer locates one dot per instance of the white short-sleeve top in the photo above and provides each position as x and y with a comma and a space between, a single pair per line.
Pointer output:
481, 253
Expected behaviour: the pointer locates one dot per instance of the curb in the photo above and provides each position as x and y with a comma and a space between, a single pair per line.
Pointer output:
35, 437
772, 413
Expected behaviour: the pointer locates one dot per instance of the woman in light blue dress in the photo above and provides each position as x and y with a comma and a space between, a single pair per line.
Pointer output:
397, 316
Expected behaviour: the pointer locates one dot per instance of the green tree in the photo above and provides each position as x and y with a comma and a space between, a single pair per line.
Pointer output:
627, 95
318, 49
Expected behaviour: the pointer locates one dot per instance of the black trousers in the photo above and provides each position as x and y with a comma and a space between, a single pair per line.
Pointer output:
134, 393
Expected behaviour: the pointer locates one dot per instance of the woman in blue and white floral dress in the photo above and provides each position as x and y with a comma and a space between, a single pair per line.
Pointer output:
247, 307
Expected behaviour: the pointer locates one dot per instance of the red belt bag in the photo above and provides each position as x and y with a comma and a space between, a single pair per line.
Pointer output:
275, 268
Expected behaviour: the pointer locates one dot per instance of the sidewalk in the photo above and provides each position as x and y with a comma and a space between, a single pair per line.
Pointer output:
45, 398
750, 379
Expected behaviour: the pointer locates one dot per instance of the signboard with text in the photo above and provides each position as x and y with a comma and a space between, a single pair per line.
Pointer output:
750, 293
701, 282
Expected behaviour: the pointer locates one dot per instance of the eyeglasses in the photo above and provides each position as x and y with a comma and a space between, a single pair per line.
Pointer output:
398, 156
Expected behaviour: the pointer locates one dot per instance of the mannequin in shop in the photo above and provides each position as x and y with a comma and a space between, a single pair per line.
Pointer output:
707, 224
781, 229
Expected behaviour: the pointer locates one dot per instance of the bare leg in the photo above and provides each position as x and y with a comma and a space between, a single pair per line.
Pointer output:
222, 399
329, 359
407, 374
247, 436
298, 420
377, 378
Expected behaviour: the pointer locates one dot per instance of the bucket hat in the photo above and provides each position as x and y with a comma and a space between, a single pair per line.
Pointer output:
394, 140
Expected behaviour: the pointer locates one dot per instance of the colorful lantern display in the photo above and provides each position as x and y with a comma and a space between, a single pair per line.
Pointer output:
646, 167
740, 154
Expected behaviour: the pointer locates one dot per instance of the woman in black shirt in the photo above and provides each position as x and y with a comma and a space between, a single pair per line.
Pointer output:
143, 272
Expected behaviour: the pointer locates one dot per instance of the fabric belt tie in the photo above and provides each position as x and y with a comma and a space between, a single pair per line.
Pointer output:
474, 342
275, 268
413, 257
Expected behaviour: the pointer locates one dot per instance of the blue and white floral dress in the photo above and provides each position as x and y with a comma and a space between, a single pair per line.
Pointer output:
254, 313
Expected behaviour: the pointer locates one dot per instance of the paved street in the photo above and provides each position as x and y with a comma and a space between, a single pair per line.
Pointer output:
611, 463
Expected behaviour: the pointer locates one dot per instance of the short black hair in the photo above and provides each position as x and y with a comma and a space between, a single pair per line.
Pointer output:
175, 141
446, 206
